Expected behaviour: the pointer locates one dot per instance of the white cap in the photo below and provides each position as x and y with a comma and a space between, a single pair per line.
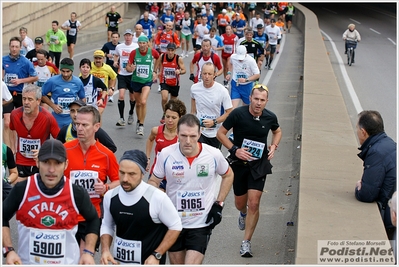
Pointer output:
241, 52
224, 11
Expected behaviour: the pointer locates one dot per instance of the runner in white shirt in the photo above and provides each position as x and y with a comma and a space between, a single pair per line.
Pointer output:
274, 33
216, 40
201, 30
191, 170
243, 71
138, 32
208, 98
254, 22
121, 58
5, 94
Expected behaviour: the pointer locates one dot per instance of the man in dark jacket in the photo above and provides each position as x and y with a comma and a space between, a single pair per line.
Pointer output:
378, 152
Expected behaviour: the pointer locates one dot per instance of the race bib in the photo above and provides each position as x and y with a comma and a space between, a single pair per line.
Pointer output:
142, 71
53, 38
251, 54
146, 31
228, 49
170, 73
47, 247
64, 103
8, 77
26, 146
124, 63
85, 179
241, 75
127, 251
112, 24
41, 81
190, 202
72, 32
254, 147
223, 21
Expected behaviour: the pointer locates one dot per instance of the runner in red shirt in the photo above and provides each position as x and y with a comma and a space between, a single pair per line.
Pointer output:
200, 58
229, 40
169, 67
163, 38
33, 125
165, 134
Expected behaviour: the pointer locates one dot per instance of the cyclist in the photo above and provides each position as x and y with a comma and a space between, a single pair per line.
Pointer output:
351, 35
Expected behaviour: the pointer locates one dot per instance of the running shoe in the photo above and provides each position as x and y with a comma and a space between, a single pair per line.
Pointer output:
111, 99
266, 67
159, 88
277, 52
241, 221
270, 68
140, 130
121, 122
245, 250
130, 119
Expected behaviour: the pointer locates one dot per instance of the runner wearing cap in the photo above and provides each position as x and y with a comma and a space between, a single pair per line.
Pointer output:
31, 55
60, 98
243, 71
106, 74
47, 206
69, 132
141, 63
33, 125
90, 165
223, 20
169, 67
133, 205
121, 58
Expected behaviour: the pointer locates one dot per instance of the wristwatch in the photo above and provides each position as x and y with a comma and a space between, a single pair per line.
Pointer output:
220, 203
157, 255
7, 250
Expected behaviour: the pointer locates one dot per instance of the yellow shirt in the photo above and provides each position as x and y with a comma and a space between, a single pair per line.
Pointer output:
105, 72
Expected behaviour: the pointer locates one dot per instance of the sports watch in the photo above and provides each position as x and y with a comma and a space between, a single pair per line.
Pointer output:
7, 250
157, 255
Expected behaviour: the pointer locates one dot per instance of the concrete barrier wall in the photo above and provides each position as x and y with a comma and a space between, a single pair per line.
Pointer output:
327, 207
37, 16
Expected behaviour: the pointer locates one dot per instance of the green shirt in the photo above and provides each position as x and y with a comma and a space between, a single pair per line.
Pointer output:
144, 67
51, 36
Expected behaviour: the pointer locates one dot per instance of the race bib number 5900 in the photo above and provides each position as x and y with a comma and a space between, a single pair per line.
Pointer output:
47, 247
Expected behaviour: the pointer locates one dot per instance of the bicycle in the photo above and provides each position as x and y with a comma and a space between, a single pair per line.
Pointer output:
351, 45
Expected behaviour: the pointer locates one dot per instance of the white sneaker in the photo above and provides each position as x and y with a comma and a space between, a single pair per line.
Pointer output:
111, 99
140, 130
159, 88
245, 250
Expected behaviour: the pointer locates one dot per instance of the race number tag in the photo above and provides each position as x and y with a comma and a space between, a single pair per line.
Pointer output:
169, 73
124, 63
251, 55
254, 147
8, 77
127, 251
27, 145
41, 81
72, 32
190, 202
241, 75
146, 31
47, 247
85, 179
53, 38
64, 103
142, 71
228, 49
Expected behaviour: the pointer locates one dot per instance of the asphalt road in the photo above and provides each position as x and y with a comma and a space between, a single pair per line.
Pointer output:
374, 75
